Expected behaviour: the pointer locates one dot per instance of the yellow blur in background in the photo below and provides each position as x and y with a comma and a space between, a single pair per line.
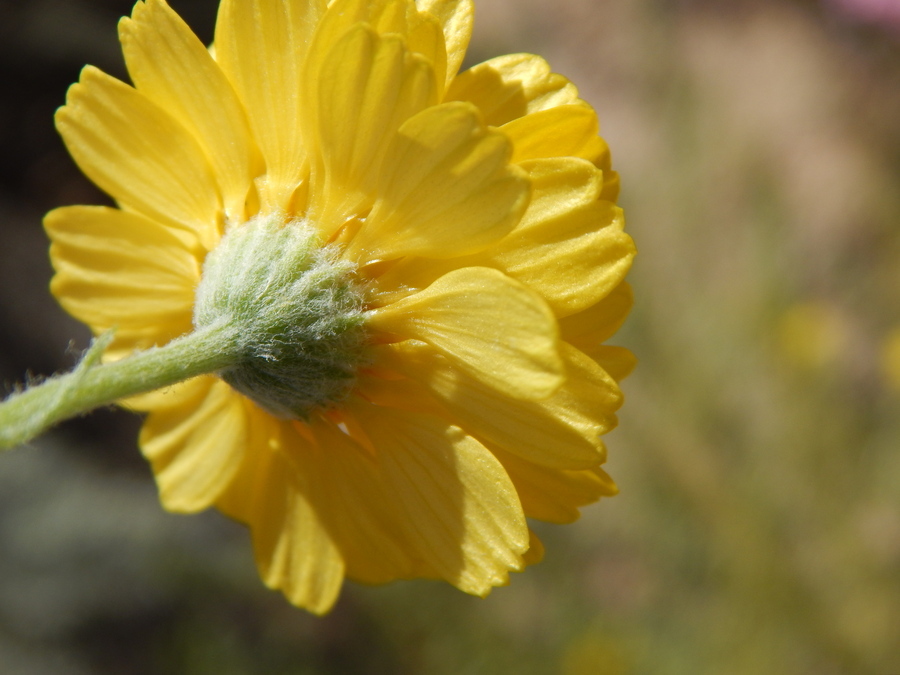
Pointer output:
758, 527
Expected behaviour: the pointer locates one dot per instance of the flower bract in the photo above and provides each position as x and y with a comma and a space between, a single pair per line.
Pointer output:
451, 262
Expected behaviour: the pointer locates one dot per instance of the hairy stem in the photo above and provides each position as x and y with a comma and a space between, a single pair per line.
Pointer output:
28, 413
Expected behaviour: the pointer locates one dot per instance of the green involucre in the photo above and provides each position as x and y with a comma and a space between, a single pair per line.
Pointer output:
297, 310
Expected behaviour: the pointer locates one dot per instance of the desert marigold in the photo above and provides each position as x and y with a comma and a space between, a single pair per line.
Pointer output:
422, 266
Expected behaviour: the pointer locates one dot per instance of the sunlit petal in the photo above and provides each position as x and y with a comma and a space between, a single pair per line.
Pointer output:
170, 66
139, 154
261, 45
446, 190
120, 270
495, 329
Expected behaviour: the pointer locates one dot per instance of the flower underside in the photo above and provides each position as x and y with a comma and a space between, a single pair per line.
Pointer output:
296, 314
420, 273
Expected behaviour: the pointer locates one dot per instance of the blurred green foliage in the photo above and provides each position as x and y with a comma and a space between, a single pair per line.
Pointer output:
758, 529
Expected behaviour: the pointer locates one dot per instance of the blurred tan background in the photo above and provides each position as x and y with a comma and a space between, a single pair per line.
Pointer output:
758, 529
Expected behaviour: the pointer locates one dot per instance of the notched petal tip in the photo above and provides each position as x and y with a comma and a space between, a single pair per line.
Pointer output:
452, 498
447, 189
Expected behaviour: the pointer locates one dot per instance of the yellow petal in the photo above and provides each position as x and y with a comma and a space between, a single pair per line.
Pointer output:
554, 494
546, 493
446, 189
426, 38
294, 551
617, 361
398, 392
610, 186
138, 154
261, 46
494, 328
603, 161
118, 269
164, 398
587, 330
456, 18
197, 444
562, 431
265, 439
535, 552
383, 16
369, 86
458, 507
421, 30
169, 65
511, 86
569, 246
344, 482
596, 324
563, 131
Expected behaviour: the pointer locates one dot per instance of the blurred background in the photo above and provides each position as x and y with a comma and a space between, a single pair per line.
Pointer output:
758, 455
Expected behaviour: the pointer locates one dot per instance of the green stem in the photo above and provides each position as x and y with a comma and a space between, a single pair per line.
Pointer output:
26, 414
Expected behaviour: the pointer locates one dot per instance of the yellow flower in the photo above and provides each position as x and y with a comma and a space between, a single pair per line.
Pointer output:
470, 217
812, 335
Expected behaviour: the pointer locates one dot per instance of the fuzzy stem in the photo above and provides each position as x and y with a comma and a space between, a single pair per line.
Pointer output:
26, 414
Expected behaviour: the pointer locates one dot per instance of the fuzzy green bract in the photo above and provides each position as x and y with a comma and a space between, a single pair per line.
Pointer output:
301, 336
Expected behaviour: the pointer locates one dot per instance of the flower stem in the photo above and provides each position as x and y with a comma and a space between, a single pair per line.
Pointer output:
26, 414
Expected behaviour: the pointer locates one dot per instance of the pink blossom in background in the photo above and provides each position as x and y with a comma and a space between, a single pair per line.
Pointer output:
885, 12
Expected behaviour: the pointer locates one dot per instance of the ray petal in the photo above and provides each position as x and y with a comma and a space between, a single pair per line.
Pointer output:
511, 86
355, 504
197, 444
169, 65
562, 131
458, 505
122, 270
456, 19
570, 246
494, 328
294, 551
562, 431
551, 494
139, 154
599, 322
446, 190
261, 45
369, 86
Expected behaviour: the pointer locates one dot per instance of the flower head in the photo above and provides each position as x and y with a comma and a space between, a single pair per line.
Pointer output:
424, 265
